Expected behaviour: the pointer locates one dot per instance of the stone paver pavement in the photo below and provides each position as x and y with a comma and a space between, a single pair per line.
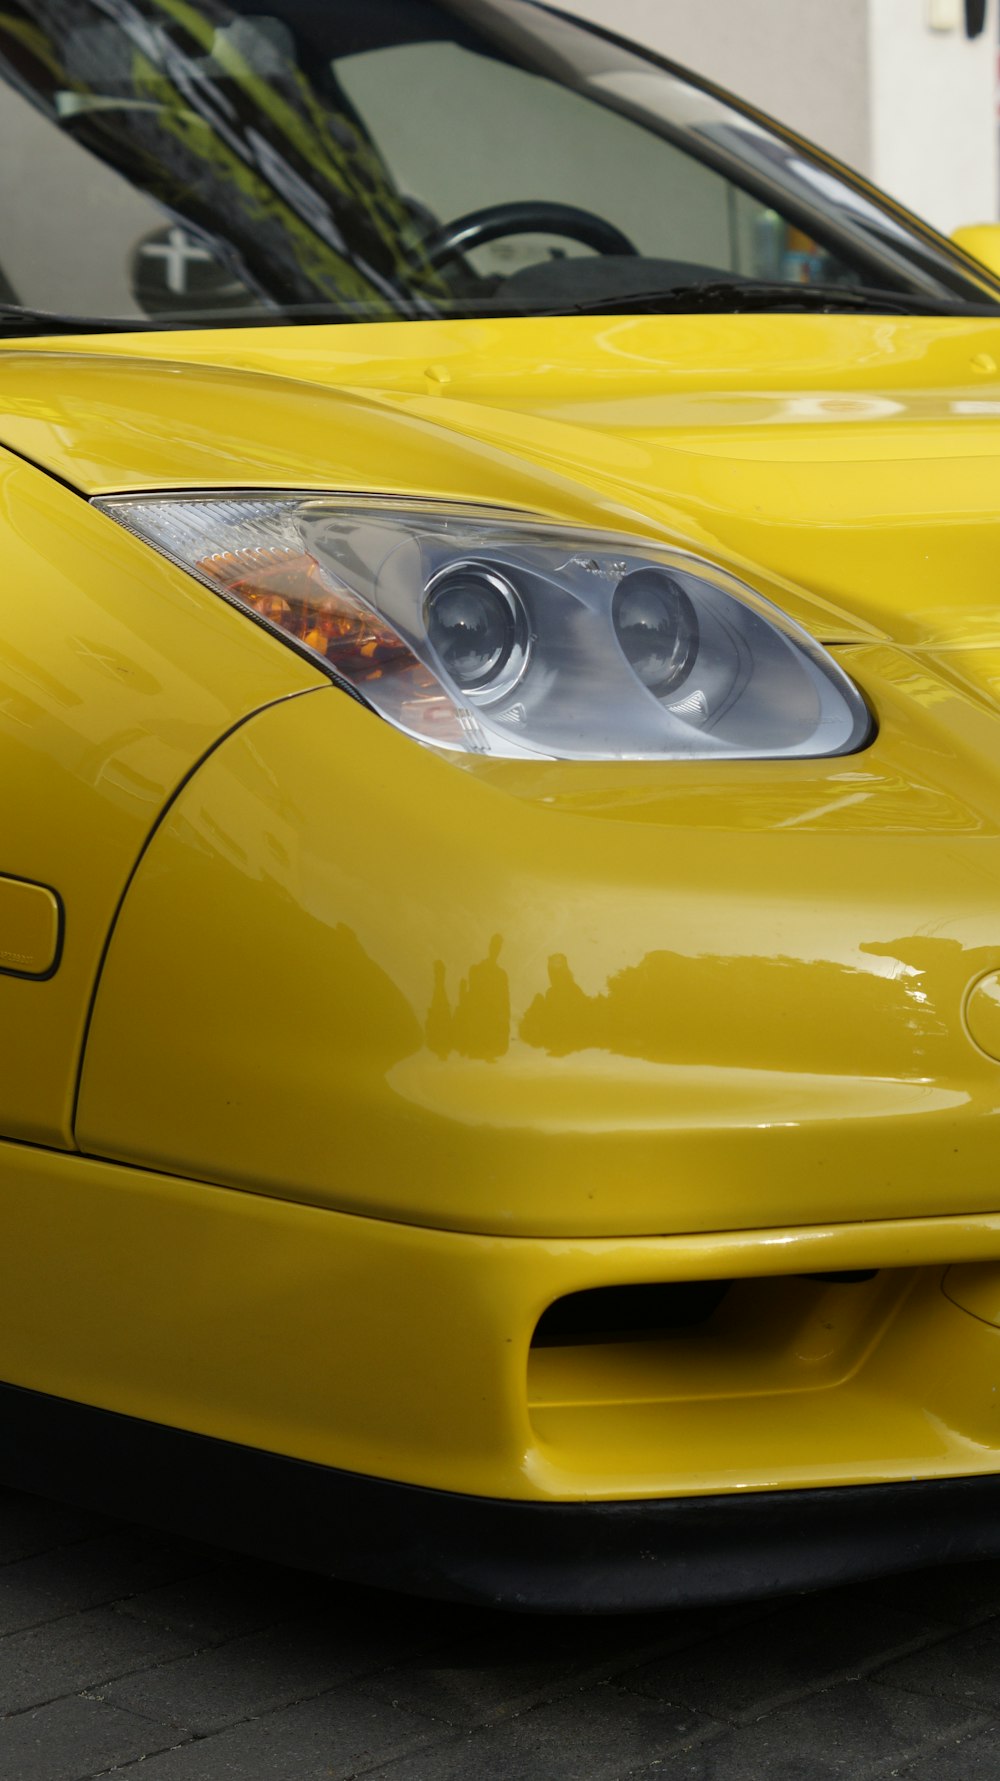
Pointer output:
124, 1652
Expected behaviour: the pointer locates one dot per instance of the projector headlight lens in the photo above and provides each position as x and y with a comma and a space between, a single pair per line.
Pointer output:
477, 627
656, 625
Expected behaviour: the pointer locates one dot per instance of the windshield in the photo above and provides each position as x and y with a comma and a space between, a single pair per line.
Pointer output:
217, 162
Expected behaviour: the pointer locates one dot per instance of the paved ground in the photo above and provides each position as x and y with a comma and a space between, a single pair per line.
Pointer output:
125, 1652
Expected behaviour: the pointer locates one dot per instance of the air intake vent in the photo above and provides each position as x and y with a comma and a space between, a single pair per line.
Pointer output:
619, 1313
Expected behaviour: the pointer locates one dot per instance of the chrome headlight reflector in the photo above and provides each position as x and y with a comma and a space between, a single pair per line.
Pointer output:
481, 631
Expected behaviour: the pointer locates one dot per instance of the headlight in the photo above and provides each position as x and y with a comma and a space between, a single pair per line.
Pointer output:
477, 630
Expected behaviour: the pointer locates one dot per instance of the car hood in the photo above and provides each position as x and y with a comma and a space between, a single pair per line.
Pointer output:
847, 466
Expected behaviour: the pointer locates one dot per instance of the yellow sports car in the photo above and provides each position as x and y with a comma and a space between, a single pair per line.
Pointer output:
500, 788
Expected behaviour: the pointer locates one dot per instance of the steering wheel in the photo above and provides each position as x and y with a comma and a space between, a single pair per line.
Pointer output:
524, 216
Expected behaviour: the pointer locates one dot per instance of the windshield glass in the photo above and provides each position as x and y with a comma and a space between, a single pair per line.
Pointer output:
210, 162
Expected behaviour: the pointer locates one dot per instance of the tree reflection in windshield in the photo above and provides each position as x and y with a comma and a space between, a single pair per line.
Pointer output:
211, 115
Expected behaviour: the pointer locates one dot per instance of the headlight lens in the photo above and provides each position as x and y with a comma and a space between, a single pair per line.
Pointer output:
477, 627
656, 625
488, 633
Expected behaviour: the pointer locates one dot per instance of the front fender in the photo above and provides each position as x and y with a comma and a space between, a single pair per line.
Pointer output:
565, 998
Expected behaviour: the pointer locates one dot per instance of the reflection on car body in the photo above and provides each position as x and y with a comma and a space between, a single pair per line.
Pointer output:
498, 941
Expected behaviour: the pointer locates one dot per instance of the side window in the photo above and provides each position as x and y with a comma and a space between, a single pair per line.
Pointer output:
504, 134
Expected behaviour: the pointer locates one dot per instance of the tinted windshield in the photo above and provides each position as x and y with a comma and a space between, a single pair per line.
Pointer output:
199, 161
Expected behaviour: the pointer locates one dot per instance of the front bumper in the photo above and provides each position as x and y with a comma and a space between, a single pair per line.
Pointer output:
457, 1047
598, 1558
416, 1356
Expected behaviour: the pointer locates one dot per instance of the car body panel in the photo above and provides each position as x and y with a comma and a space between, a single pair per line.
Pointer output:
846, 464
982, 242
405, 1353
540, 1000
117, 674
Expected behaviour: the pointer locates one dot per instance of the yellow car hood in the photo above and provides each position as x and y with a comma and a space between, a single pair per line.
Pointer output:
846, 465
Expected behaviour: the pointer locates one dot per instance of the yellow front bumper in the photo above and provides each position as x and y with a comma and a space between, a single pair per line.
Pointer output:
405, 1353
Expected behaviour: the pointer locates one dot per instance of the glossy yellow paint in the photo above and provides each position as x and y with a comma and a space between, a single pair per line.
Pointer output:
982, 1014
406, 1353
982, 241
975, 1287
117, 674
546, 999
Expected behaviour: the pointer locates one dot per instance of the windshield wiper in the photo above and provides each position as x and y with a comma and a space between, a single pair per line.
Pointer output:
720, 296
15, 318
731, 296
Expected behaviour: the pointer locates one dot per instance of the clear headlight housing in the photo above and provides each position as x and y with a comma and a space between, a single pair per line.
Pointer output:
493, 634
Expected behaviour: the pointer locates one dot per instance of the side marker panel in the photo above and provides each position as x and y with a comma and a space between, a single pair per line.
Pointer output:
31, 928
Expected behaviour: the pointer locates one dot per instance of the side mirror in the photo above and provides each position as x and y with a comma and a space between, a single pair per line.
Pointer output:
982, 241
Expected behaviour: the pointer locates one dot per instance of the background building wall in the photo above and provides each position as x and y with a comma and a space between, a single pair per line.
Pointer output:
933, 112
784, 55
869, 80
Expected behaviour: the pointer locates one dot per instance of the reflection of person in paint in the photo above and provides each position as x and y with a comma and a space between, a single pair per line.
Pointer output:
439, 1015
479, 1025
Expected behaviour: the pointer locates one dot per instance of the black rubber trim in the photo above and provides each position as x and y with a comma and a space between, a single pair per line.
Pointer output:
547, 1557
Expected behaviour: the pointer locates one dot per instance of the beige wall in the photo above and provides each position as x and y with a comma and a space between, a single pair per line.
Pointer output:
933, 107
804, 61
914, 108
